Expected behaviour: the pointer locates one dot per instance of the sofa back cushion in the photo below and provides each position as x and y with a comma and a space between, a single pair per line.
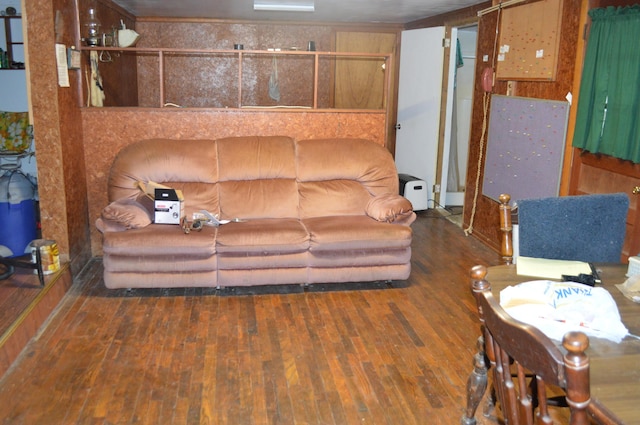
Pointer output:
188, 165
257, 177
340, 176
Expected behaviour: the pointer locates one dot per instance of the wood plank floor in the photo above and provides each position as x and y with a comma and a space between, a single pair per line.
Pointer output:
16, 294
373, 355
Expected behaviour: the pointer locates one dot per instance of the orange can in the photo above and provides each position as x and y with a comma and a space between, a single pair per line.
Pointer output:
48, 253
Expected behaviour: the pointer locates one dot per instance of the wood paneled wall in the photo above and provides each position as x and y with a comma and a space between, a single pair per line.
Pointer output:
57, 130
212, 82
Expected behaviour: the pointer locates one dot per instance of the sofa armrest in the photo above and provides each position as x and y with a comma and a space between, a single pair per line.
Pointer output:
391, 208
105, 226
125, 214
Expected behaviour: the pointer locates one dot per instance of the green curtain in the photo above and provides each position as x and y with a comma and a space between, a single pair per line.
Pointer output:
608, 117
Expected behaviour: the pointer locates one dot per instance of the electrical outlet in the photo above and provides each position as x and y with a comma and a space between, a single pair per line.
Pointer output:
436, 188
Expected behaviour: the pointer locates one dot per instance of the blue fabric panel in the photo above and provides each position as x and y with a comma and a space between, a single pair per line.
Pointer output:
585, 228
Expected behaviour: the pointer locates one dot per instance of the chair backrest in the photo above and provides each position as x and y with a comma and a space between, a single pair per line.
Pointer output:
524, 361
587, 228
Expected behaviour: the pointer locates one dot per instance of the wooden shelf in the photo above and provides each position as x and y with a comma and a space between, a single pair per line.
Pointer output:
164, 51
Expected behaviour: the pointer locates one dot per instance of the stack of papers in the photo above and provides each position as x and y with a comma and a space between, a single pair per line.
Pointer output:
550, 269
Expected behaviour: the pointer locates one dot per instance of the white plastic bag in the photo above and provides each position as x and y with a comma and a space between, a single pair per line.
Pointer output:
559, 307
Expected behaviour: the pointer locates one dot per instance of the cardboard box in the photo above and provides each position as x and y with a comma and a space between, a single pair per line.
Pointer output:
168, 206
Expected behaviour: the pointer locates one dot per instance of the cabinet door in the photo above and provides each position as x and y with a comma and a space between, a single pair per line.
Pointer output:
359, 82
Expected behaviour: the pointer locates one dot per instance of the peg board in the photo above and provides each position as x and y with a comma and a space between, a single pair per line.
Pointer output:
525, 147
529, 41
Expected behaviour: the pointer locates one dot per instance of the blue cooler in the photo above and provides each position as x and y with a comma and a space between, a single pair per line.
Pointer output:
18, 226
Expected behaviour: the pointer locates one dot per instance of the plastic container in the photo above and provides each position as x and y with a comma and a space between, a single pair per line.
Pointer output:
415, 190
17, 213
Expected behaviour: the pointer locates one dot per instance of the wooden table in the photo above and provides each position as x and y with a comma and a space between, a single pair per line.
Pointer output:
615, 368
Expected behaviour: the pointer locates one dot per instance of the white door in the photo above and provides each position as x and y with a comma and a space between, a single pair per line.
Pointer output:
419, 95
448, 126
455, 152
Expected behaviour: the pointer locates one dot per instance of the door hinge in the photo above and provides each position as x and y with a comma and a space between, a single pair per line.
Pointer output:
446, 43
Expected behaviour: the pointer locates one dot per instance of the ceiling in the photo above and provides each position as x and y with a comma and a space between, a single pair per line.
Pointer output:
356, 11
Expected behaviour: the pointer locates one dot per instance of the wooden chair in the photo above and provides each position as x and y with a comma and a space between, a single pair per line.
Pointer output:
506, 229
587, 228
524, 362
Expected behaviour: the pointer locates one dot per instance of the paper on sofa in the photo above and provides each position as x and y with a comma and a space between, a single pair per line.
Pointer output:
149, 188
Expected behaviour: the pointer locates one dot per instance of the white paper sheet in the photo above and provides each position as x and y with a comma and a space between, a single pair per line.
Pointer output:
61, 62
550, 269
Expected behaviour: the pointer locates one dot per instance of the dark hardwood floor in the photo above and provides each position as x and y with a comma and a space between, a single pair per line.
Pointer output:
376, 354
15, 295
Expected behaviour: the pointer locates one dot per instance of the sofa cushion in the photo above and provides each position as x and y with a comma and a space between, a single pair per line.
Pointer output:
260, 276
161, 240
359, 274
262, 260
359, 257
257, 177
339, 176
197, 196
347, 159
169, 263
190, 279
256, 157
332, 198
355, 232
166, 162
262, 236
255, 199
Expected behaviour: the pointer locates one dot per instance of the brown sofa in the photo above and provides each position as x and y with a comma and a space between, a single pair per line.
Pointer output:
313, 211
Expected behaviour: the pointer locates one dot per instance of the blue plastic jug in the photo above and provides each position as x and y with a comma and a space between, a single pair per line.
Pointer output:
18, 226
